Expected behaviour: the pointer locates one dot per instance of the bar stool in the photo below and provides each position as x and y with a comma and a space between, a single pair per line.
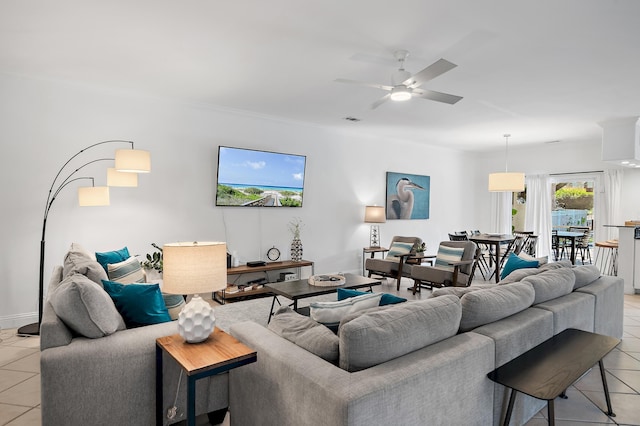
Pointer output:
607, 257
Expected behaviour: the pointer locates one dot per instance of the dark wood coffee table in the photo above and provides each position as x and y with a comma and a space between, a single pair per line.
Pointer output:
300, 289
546, 371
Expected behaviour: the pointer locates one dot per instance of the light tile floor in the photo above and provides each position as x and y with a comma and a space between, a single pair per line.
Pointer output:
20, 379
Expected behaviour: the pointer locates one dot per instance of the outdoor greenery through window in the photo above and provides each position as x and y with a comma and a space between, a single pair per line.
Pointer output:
572, 204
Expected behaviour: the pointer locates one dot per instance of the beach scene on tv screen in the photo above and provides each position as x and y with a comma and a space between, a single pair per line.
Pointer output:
259, 178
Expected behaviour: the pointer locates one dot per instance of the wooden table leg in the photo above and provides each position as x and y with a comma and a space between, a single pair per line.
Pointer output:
497, 262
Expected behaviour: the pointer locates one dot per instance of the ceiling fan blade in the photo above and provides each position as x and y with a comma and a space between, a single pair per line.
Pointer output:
439, 67
361, 83
436, 96
380, 101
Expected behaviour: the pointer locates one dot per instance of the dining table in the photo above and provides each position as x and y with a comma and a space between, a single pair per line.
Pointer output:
571, 236
494, 240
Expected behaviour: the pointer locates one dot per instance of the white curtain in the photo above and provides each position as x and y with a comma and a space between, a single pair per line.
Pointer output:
538, 212
607, 204
501, 212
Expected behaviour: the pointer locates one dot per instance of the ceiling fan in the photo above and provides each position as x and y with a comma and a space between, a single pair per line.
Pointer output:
406, 85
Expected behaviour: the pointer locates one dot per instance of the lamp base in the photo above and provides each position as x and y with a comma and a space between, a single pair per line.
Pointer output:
196, 320
374, 236
29, 330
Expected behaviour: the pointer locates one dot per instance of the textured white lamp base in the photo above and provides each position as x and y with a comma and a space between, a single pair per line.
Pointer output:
196, 320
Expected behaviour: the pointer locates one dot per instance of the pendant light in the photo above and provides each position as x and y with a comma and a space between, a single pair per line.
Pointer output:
506, 181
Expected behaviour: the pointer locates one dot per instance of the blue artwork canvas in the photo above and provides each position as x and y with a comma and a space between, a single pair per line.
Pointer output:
407, 196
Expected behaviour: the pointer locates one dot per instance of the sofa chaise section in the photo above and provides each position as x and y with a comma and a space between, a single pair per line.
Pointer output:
291, 386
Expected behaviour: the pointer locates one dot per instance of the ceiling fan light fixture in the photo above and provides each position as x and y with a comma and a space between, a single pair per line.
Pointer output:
400, 93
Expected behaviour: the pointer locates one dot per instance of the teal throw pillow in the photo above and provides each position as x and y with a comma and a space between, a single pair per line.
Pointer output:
139, 304
116, 256
387, 299
514, 262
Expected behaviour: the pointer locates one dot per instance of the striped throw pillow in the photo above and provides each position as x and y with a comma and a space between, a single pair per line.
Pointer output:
126, 272
397, 249
446, 255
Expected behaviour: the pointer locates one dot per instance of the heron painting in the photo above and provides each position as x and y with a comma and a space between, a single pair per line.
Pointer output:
407, 196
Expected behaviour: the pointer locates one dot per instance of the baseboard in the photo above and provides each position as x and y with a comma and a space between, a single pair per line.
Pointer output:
18, 320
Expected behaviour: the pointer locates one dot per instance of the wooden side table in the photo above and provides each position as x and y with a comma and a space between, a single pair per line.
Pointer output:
221, 352
373, 251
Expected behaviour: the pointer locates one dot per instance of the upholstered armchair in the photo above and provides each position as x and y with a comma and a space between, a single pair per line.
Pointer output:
455, 265
395, 264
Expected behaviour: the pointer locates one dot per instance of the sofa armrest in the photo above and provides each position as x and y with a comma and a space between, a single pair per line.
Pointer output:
121, 361
287, 377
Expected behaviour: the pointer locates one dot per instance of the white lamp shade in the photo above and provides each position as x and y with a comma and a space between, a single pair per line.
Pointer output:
116, 178
133, 160
93, 196
191, 268
374, 214
506, 182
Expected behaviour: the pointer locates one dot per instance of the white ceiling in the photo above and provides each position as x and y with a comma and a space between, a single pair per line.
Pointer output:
541, 70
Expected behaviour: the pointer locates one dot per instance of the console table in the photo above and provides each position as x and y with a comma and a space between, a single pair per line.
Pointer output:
546, 371
221, 296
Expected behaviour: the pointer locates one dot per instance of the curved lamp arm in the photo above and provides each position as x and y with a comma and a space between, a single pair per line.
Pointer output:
34, 329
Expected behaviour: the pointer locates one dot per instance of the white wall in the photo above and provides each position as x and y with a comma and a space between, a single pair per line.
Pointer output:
563, 157
43, 123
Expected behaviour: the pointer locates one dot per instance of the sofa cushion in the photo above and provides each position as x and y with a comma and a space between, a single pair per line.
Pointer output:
446, 255
126, 272
585, 275
115, 256
306, 333
79, 261
386, 299
551, 284
330, 313
489, 305
385, 334
458, 291
514, 262
85, 308
139, 304
519, 274
398, 249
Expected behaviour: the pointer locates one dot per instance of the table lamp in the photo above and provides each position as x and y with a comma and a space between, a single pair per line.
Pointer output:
374, 214
193, 268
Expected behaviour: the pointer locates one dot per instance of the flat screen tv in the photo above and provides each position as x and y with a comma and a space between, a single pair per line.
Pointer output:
251, 178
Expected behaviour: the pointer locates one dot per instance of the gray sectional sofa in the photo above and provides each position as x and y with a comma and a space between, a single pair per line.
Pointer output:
423, 362
94, 371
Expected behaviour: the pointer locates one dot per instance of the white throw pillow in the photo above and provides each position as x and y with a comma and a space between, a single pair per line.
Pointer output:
541, 260
330, 313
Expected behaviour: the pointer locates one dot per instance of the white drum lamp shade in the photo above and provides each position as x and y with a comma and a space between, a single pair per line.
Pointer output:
89, 196
505, 181
124, 179
192, 268
133, 161
374, 214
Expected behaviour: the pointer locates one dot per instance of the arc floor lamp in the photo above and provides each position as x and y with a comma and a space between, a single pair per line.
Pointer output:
128, 163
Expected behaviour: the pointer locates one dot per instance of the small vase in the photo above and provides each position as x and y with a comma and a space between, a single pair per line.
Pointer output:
296, 250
